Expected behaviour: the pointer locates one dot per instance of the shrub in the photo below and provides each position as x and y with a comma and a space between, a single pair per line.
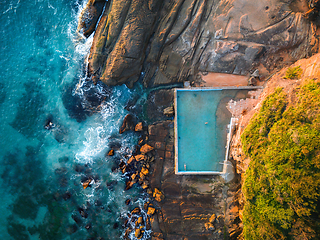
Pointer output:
293, 73
282, 184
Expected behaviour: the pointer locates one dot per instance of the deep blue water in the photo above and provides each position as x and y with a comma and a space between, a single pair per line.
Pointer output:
42, 66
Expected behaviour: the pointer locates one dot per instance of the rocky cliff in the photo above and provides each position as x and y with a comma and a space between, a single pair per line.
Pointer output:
168, 41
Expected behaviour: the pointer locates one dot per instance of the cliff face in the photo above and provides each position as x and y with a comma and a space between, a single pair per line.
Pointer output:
170, 41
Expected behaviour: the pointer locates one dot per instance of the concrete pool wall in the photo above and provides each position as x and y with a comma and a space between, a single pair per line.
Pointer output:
201, 141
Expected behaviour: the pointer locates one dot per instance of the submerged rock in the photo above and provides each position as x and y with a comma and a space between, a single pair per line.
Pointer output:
127, 124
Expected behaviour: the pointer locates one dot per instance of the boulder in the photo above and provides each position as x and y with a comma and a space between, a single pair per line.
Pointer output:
127, 124
136, 210
158, 195
146, 148
87, 183
140, 157
144, 171
138, 233
111, 152
212, 219
139, 127
131, 160
89, 17
151, 211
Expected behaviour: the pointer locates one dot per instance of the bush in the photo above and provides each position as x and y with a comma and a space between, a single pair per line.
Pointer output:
282, 183
293, 73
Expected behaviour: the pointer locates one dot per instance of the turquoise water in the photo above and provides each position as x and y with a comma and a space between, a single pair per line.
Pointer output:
202, 119
41, 170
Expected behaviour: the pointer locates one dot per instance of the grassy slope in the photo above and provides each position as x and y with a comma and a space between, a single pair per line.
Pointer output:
281, 186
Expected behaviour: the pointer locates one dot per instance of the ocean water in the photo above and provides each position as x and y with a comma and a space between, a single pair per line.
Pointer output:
43, 80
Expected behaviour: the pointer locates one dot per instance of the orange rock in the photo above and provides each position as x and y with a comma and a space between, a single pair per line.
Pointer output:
131, 159
129, 184
136, 210
86, 183
146, 148
140, 157
158, 195
140, 220
151, 211
139, 127
212, 218
144, 185
111, 152
144, 171
133, 176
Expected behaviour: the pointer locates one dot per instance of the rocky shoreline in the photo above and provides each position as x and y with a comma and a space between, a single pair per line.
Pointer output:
180, 207
163, 42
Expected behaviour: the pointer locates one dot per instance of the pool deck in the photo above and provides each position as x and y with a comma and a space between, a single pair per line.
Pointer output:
227, 172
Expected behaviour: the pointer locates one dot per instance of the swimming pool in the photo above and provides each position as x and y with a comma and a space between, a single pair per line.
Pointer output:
201, 126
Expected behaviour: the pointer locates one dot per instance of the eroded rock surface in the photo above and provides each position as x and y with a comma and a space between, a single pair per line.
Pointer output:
172, 40
193, 207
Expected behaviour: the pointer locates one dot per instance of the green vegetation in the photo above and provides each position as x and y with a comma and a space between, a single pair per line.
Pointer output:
282, 183
293, 73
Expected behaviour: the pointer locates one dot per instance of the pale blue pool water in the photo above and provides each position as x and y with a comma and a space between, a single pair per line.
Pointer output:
41, 170
202, 128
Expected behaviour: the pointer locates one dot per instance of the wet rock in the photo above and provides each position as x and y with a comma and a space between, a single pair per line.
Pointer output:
122, 166
157, 101
87, 183
49, 123
79, 168
144, 171
146, 148
127, 233
140, 157
136, 210
139, 127
138, 233
131, 160
88, 226
89, 17
114, 145
127, 124
111, 184
82, 212
151, 211
80, 104
111, 152
115, 225
158, 195
129, 184
76, 219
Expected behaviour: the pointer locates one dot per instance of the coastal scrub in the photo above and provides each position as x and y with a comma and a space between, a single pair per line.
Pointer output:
293, 73
281, 185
